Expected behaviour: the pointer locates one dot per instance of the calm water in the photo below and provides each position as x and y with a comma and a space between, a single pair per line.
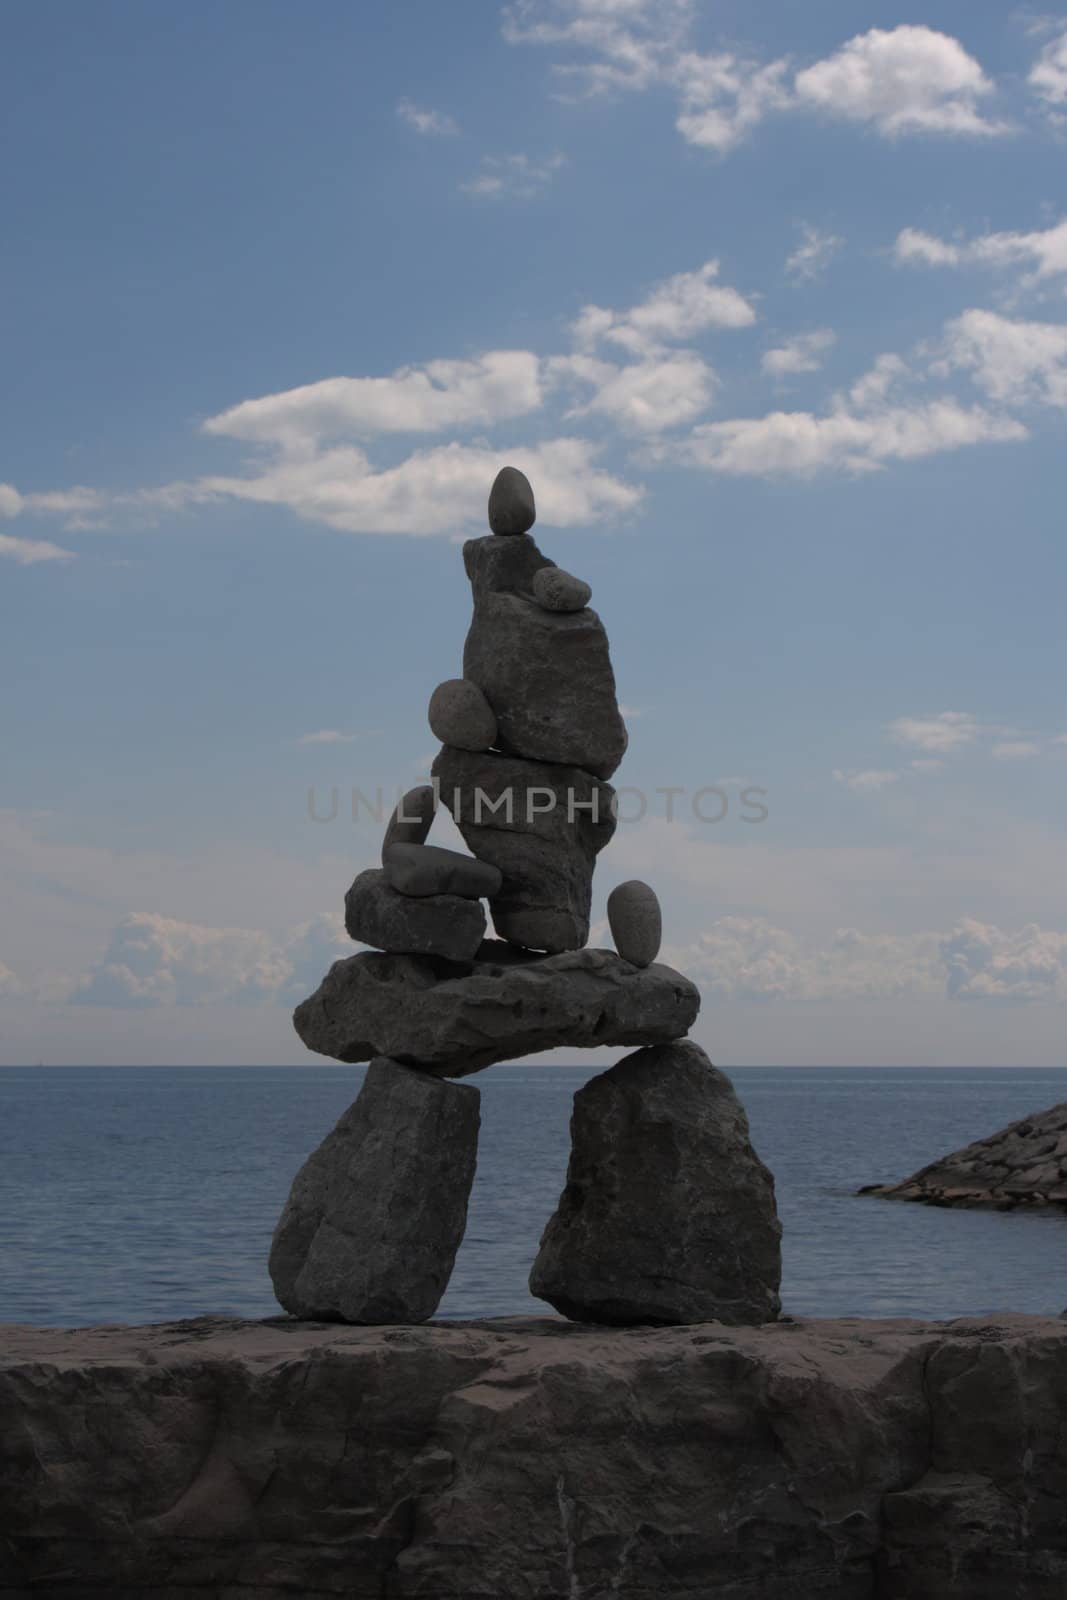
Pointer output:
134, 1194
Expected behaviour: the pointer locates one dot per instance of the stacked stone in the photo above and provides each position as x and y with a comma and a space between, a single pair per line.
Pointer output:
668, 1215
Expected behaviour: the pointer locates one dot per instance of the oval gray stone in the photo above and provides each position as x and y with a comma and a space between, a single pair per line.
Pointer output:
636, 922
426, 869
412, 819
460, 715
511, 502
557, 590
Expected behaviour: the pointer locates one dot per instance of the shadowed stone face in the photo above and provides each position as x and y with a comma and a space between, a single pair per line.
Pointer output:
376, 1214
668, 1215
535, 822
435, 925
546, 674
454, 1019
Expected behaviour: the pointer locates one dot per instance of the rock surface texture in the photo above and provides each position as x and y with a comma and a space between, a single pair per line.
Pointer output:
426, 869
376, 1214
436, 925
668, 1214
636, 922
543, 826
546, 674
557, 590
455, 1019
1022, 1167
532, 1459
461, 715
413, 818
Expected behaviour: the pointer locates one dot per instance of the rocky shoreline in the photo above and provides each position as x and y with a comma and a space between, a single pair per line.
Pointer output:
535, 1459
1023, 1167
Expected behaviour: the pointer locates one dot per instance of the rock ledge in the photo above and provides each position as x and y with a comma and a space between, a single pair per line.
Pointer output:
534, 1459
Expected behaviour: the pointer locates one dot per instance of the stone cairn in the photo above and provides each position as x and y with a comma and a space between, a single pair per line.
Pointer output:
668, 1215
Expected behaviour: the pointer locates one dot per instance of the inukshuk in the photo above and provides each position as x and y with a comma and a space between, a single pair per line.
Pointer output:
668, 1215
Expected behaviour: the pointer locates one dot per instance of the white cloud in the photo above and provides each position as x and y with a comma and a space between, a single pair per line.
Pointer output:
1012, 361
865, 779
802, 353
428, 399
644, 396
723, 97
986, 963
813, 255
433, 124
9, 984
1015, 749
928, 764
910, 79
633, 41
1048, 78
1043, 250
27, 552
801, 443
943, 734
437, 491
680, 307
875, 386
10, 500
750, 958
514, 177
153, 960
326, 736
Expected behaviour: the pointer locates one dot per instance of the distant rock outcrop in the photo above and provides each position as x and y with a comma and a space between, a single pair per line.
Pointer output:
1022, 1167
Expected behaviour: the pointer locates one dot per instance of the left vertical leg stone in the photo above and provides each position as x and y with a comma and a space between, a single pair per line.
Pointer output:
376, 1214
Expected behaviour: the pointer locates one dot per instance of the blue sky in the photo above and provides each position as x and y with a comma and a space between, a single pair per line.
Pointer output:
769, 302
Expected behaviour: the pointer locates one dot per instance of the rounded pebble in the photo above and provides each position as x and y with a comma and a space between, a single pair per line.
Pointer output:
556, 590
636, 922
412, 819
460, 715
511, 502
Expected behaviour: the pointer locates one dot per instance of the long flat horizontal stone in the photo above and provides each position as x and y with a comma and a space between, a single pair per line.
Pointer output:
534, 1459
456, 1019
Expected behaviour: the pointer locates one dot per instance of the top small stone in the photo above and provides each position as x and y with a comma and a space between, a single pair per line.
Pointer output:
511, 502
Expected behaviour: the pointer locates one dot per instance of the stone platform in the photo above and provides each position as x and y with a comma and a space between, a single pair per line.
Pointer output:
535, 1459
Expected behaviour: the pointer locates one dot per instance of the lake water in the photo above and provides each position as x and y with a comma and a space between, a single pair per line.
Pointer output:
132, 1194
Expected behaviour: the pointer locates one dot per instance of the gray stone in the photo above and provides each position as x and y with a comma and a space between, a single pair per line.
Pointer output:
411, 821
511, 502
557, 590
508, 1458
668, 1215
454, 1020
461, 715
546, 674
546, 856
636, 922
427, 869
434, 925
376, 1214
1023, 1167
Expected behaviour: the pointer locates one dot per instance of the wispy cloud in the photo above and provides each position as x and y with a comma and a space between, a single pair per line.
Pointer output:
865, 780
813, 255
431, 124
514, 177
803, 352
27, 552
327, 736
